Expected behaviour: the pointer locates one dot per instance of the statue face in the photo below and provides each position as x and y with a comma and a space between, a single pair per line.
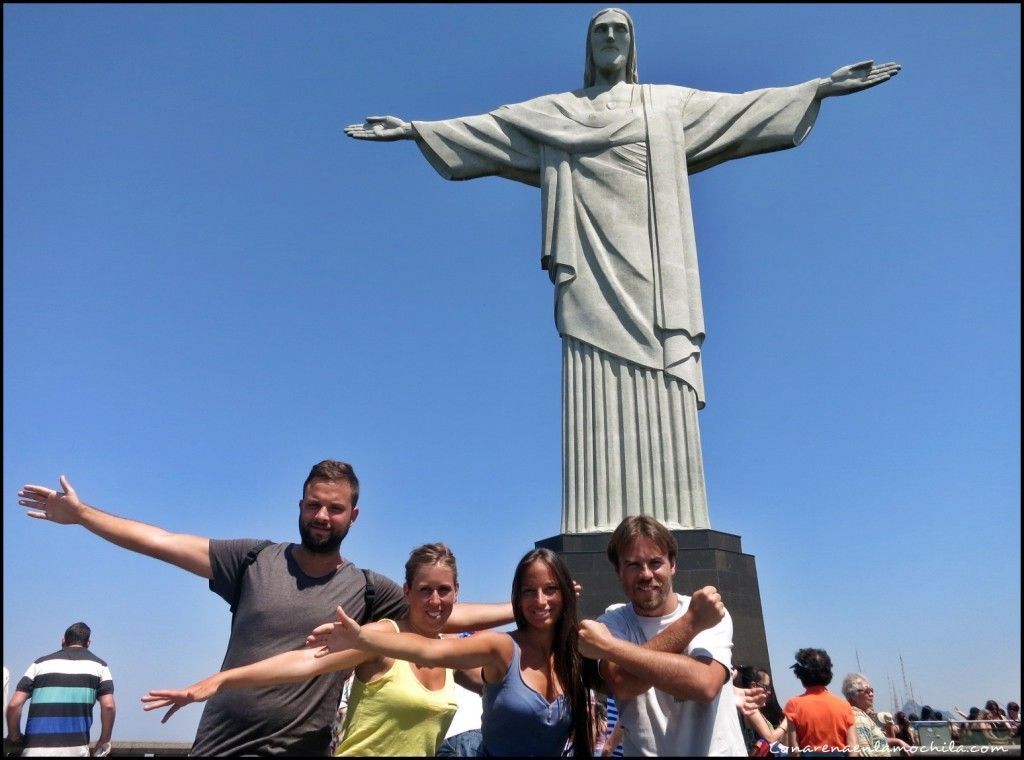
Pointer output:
610, 42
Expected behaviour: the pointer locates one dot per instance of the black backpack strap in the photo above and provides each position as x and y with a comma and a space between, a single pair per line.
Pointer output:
250, 557
369, 595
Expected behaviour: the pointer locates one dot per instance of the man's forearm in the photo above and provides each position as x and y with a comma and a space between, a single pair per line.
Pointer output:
64, 507
13, 718
107, 715
674, 639
629, 666
478, 617
189, 552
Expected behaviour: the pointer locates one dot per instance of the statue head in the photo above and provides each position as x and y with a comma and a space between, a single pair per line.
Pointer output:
591, 68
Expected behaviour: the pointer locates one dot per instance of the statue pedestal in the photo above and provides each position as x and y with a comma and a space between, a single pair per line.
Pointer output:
706, 558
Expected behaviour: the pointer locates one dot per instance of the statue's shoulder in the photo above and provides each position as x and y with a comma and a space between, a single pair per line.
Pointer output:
674, 97
671, 88
672, 91
659, 91
561, 103
547, 102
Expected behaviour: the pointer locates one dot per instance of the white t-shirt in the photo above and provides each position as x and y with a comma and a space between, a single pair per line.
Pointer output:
655, 722
470, 712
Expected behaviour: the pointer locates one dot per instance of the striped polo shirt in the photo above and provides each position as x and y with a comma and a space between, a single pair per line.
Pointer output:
63, 687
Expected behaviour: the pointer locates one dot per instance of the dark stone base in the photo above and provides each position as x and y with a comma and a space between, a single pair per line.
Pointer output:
706, 558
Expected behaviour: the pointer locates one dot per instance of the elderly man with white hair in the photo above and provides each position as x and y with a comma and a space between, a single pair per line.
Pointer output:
871, 739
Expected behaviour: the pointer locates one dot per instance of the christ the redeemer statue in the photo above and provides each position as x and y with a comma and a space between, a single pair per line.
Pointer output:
612, 161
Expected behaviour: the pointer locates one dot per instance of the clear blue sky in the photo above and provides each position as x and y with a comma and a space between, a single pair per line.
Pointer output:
208, 288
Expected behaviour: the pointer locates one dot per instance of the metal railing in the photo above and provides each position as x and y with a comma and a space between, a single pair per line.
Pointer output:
149, 749
943, 736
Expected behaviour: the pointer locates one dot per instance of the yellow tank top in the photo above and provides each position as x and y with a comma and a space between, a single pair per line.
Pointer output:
396, 715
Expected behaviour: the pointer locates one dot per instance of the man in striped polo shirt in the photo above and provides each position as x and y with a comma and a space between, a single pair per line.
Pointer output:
63, 687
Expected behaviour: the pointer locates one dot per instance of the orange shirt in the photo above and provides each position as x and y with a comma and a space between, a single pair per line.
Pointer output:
821, 719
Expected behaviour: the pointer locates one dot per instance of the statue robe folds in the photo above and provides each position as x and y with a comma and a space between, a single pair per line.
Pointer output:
619, 247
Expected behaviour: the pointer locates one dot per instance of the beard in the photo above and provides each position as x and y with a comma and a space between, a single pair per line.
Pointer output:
329, 544
651, 598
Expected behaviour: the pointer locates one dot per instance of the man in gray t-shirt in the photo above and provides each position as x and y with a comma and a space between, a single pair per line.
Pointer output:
280, 596
277, 599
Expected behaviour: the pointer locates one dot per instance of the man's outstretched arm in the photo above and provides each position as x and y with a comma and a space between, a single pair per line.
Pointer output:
189, 552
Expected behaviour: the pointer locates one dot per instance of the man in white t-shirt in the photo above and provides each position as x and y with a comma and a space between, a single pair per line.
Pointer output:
665, 657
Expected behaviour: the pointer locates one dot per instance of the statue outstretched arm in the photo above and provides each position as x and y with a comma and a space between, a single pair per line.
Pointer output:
382, 129
856, 77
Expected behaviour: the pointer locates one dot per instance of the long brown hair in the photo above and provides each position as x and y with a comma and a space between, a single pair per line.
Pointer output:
573, 671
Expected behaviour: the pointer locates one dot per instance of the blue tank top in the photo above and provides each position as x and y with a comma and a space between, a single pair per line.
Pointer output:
518, 721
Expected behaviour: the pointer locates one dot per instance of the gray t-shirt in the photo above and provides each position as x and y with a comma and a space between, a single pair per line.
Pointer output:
277, 608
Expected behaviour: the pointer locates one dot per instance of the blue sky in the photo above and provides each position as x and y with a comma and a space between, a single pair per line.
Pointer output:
208, 288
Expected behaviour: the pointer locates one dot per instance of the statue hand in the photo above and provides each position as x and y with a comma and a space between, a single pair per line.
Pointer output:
381, 128
857, 77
